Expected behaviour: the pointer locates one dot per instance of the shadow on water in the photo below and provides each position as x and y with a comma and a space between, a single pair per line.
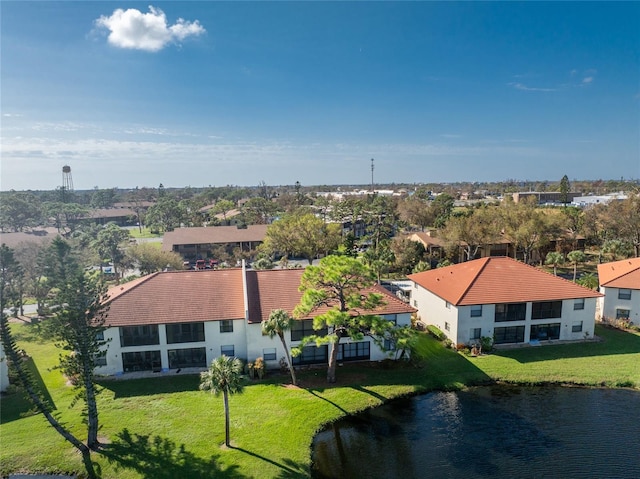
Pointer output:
611, 342
160, 458
288, 469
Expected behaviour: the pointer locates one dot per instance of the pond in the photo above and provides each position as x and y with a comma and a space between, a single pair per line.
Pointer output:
497, 432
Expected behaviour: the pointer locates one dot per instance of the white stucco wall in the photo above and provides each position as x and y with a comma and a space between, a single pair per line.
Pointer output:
433, 310
214, 340
4, 370
610, 303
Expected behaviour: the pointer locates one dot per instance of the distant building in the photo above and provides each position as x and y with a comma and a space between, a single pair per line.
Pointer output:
544, 197
586, 201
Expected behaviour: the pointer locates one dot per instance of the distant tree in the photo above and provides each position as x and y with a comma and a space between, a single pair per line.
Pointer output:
66, 217
19, 211
110, 243
148, 258
379, 260
223, 376
565, 187
258, 211
340, 284
616, 249
471, 231
407, 254
574, 258
165, 215
442, 207
103, 198
554, 258
416, 211
32, 260
222, 207
301, 235
278, 323
421, 266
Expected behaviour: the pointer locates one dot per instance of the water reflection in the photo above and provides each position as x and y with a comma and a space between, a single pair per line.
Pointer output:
497, 432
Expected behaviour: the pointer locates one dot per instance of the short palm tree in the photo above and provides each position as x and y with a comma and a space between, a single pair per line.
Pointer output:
279, 322
574, 258
223, 376
554, 258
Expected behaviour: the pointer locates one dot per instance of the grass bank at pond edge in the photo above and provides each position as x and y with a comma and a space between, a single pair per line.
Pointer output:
166, 428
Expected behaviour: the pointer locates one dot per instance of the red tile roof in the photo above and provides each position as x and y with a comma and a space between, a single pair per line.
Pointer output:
494, 280
210, 295
178, 297
620, 274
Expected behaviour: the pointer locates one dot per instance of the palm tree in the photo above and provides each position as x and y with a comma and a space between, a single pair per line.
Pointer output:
279, 322
574, 258
554, 258
223, 376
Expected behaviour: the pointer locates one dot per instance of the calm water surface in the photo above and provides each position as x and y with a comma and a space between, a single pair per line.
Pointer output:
496, 432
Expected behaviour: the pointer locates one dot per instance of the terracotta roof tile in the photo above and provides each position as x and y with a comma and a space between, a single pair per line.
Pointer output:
189, 296
620, 274
495, 280
178, 297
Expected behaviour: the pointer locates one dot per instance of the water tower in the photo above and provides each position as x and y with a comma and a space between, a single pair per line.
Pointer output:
67, 182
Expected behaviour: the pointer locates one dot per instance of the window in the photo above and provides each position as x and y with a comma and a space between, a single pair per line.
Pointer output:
578, 304
476, 310
185, 333
269, 354
546, 310
226, 326
389, 345
623, 313
300, 329
624, 294
415, 303
476, 333
100, 359
187, 358
311, 355
139, 335
228, 350
392, 318
576, 327
509, 334
141, 361
447, 326
100, 336
544, 332
510, 312
447, 304
354, 351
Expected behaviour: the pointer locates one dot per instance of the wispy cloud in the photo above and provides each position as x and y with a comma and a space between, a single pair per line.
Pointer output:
523, 87
146, 31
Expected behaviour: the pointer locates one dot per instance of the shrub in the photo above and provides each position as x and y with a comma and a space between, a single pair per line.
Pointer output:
436, 332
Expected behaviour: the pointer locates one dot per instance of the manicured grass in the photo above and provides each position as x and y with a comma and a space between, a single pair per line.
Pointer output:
165, 428
146, 233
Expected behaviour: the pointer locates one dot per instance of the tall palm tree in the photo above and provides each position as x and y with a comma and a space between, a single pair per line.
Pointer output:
554, 258
223, 376
574, 258
279, 322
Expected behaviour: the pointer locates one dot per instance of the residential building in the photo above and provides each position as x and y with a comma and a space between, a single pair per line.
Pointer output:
504, 299
620, 284
169, 321
200, 242
4, 370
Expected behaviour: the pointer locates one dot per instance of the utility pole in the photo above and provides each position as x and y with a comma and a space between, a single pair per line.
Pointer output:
372, 190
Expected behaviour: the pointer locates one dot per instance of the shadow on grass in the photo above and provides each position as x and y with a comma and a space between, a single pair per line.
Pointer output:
161, 458
613, 341
149, 386
17, 405
313, 393
288, 468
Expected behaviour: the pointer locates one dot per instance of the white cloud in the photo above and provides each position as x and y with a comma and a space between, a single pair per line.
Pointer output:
521, 86
146, 31
587, 80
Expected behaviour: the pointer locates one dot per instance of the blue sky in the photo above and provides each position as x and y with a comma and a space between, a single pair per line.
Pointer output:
217, 93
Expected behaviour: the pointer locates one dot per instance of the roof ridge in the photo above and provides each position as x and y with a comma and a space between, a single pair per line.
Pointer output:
475, 278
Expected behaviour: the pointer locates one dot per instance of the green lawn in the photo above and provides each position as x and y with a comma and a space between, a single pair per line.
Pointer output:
165, 428
146, 233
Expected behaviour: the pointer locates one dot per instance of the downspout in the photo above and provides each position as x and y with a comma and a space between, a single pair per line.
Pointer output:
244, 291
